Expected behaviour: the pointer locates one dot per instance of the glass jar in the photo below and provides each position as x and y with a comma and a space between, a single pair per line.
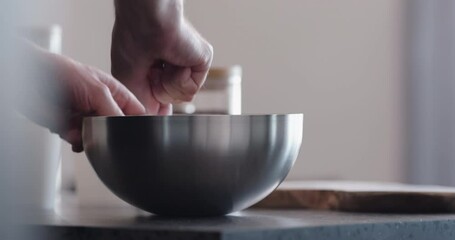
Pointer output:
220, 94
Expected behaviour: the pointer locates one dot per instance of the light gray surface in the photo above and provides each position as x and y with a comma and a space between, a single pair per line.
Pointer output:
122, 223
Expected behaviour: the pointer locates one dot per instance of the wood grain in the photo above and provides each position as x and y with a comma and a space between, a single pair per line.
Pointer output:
361, 197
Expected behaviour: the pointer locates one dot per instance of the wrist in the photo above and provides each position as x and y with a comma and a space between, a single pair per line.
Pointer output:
159, 16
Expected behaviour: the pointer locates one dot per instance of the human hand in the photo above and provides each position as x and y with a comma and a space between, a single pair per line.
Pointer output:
70, 91
157, 54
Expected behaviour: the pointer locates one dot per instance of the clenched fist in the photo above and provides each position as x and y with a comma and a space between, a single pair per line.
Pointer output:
157, 54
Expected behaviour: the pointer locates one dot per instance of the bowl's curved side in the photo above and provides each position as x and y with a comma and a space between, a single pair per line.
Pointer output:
193, 166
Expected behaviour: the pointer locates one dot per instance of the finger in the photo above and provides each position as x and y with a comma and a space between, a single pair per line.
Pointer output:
165, 110
77, 148
157, 89
178, 83
199, 76
199, 72
102, 102
74, 137
125, 99
129, 104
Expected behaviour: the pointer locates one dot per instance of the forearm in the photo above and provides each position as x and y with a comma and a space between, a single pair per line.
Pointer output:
39, 86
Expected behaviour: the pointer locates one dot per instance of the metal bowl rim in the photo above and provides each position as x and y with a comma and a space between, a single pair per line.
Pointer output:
196, 116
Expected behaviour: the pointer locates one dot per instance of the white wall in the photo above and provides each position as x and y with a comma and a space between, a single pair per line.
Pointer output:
339, 62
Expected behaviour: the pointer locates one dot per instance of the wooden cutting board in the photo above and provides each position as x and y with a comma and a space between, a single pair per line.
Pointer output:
361, 197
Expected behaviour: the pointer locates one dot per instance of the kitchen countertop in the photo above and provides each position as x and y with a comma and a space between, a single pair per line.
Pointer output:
72, 222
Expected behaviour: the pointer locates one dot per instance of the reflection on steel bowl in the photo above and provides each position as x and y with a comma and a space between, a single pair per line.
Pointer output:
193, 165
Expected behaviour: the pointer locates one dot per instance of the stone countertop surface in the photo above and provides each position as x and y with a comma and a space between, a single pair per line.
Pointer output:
74, 222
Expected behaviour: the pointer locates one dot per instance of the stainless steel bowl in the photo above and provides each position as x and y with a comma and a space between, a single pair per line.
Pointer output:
193, 165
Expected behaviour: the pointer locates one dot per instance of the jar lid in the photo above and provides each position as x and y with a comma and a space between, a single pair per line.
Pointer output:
221, 77
224, 72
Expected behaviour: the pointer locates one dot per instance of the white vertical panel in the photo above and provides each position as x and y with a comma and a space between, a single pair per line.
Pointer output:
432, 92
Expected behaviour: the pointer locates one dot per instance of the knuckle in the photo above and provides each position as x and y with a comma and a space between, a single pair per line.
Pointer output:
101, 90
91, 71
206, 54
210, 51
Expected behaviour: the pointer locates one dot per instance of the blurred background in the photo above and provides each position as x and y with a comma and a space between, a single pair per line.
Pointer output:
373, 78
